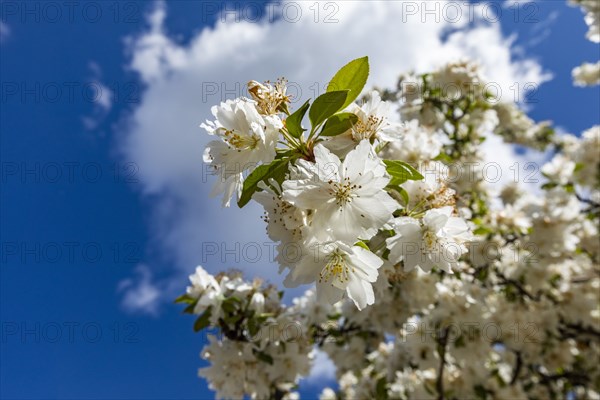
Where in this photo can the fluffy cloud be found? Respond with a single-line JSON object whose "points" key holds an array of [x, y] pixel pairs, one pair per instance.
{"points": [[183, 81], [140, 293]]}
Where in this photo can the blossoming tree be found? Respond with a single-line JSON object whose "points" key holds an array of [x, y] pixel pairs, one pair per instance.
{"points": [[429, 283]]}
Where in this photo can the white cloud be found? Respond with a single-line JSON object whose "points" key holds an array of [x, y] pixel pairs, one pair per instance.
{"points": [[517, 3], [183, 81], [140, 294], [101, 98], [4, 32], [504, 166], [542, 29], [322, 371]]}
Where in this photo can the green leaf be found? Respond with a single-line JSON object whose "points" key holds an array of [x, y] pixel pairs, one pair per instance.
{"points": [[293, 123], [284, 154], [482, 230], [480, 392], [482, 274], [362, 244], [381, 392], [229, 304], [253, 327], [264, 316], [325, 106], [338, 123], [352, 77], [276, 170], [401, 172], [404, 195], [570, 188], [549, 185], [444, 157], [189, 309], [203, 321], [263, 356], [186, 299], [401, 191], [233, 319], [555, 279]]}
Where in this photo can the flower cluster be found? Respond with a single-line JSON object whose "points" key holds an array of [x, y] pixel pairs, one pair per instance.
{"points": [[592, 18], [588, 74], [327, 194], [520, 317], [429, 284], [259, 351]]}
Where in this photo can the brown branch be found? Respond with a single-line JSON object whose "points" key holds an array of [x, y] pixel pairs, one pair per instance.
{"points": [[439, 384], [518, 366], [517, 285]]}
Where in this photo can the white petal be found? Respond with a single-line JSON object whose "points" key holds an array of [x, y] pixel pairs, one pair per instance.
{"points": [[437, 218], [366, 263], [328, 293], [306, 271], [356, 160], [361, 292], [306, 194], [328, 164]]}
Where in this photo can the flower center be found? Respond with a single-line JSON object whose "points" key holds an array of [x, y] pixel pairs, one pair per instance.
{"points": [[269, 97], [343, 192], [240, 142], [335, 269], [430, 239], [366, 129]]}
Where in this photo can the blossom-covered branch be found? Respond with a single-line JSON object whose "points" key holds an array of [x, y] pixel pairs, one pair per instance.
{"points": [[429, 282]]}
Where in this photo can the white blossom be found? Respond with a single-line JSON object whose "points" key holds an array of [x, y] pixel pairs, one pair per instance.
{"points": [[246, 139], [206, 289], [373, 124], [338, 269], [438, 241], [347, 198], [415, 144], [587, 74]]}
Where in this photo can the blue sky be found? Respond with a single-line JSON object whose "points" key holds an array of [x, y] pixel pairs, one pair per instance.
{"points": [[101, 184]]}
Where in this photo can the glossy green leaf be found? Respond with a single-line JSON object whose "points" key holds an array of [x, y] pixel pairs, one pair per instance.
{"points": [[326, 105], [401, 172], [362, 244], [203, 321], [186, 299], [352, 77], [338, 124], [293, 123], [401, 191], [276, 170]]}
